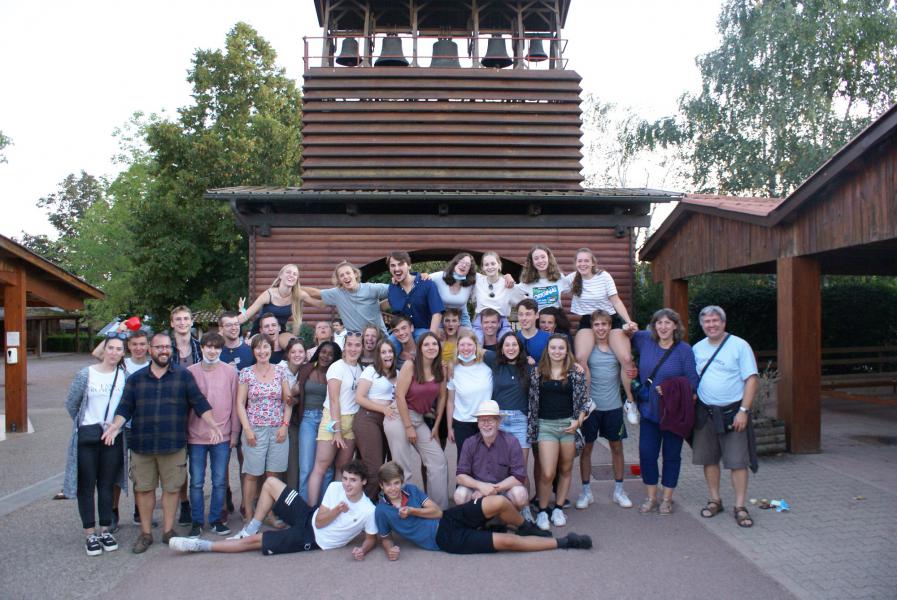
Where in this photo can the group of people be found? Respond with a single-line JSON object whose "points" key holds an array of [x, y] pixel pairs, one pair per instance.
{"points": [[349, 434]]}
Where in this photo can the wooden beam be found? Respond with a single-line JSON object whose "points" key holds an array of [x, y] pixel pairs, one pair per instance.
{"points": [[16, 392], [675, 296], [800, 352], [54, 295]]}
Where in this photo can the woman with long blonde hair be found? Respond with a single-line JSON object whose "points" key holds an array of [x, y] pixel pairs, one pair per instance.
{"points": [[283, 299]]}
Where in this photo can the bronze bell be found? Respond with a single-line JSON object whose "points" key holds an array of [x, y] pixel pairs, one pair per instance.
{"points": [[391, 53], [497, 54], [536, 51], [445, 54], [348, 54]]}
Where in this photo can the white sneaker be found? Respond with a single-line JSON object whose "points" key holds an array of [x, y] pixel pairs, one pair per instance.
{"points": [[631, 411], [183, 544], [585, 499], [542, 521], [527, 514], [558, 518], [240, 535], [622, 499]]}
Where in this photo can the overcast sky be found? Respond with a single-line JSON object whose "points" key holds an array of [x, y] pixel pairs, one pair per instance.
{"points": [[72, 72]]}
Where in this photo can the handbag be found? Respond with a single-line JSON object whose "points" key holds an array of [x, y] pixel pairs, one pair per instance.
{"points": [[92, 434]]}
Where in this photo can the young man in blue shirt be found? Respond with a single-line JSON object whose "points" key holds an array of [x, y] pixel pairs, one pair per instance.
{"points": [[405, 509], [413, 296]]}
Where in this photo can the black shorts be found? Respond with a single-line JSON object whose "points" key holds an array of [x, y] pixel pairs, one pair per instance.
{"points": [[609, 423], [459, 530], [299, 536], [585, 321]]}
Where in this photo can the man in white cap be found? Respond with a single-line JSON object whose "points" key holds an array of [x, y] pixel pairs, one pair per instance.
{"points": [[491, 462]]}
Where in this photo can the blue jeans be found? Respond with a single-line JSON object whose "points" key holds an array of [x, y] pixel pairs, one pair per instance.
{"points": [[651, 440], [218, 455], [308, 444]]}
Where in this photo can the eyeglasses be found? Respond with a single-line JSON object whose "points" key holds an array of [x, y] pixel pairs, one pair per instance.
{"points": [[491, 292], [116, 334], [166, 347]]}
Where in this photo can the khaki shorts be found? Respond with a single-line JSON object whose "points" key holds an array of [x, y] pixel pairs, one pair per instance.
{"points": [[709, 447], [146, 470], [345, 428]]}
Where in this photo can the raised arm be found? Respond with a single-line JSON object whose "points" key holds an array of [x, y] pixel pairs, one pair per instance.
{"points": [[253, 308]]}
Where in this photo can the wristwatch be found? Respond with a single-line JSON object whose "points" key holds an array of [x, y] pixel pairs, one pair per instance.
{"points": [[744, 410]]}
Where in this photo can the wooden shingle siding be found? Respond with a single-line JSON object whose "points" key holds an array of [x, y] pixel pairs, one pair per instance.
{"points": [[421, 128], [317, 251]]}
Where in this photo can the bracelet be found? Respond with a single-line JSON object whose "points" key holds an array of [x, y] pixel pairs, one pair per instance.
{"points": [[285, 424], [242, 311]]}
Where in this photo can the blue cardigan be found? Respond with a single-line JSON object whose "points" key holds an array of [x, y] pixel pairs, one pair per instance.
{"points": [[681, 363]]}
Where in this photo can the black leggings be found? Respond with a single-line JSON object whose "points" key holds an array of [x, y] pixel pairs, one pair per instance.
{"points": [[99, 466]]}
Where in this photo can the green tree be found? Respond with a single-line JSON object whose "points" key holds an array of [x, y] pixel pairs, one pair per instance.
{"points": [[65, 210], [242, 129], [790, 83]]}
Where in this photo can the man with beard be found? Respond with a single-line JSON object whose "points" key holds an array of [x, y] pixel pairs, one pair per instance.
{"points": [[157, 401], [235, 351]]}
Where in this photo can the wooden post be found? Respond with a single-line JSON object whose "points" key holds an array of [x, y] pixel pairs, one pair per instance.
{"points": [[16, 374], [675, 296], [800, 352]]}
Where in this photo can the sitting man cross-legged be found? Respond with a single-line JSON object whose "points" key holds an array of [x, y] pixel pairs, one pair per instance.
{"points": [[344, 513], [407, 511], [491, 462]]}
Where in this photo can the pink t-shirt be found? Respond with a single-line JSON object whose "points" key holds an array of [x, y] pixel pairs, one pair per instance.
{"points": [[219, 386], [264, 406]]}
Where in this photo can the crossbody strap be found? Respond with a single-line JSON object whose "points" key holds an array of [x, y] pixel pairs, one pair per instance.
{"points": [[111, 391], [720, 347], [662, 360]]}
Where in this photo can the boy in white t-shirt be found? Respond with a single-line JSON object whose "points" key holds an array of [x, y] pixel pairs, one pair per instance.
{"points": [[344, 513]]}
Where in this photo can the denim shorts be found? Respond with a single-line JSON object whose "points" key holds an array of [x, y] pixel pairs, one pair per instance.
{"points": [[552, 430], [514, 422]]}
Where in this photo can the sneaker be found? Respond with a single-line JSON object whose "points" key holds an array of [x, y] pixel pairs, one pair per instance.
{"points": [[186, 518], [195, 531], [167, 535], [558, 518], [585, 499], [142, 543], [108, 542], [567, 504], [182, 544], [93, 545], [240, 535], [576, 541], [527, 514], [542, 521], [622, 499], [631, 411], [219, 528], [528, 528]]}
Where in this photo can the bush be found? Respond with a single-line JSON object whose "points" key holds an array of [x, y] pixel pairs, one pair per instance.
{"points": [[65, 342]]}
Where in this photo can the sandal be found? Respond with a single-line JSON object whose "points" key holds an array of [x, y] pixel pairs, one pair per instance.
{"points": [[666, 507], [742, 517], [713, 508], [648, 506]]}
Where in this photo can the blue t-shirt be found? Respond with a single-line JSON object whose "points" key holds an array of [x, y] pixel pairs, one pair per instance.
{"points": [[420, 304], [419, 531], [241, 356], [723, 382], [680, 363], [535, 345]]}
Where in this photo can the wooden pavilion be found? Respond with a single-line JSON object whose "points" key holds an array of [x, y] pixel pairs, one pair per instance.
{"points": [[29, 280], [842, 221], [470, 141]]}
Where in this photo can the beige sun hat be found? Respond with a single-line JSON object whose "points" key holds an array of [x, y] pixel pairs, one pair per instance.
{"points": [[488, 408]]}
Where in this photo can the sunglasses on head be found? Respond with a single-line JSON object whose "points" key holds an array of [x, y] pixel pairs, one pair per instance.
{"points": [[353, 334], [117, 334]]}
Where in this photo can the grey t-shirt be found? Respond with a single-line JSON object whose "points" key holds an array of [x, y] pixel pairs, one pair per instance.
{"points": [[358, 308], [604, 371]]}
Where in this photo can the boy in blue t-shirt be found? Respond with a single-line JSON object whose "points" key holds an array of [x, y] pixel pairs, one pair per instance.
{"points": [[406, 510]]}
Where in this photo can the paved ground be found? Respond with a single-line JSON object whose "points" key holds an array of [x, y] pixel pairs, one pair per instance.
{"points": [[839, 541]]}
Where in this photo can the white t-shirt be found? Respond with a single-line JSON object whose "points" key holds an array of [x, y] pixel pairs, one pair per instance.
{"points": [[347, 525], [98, 388], [131, 367], [383, 391], [500, 297], [472, 385], [449, 299], [546, 293], [723, 382], [596, 293], [348, 377]]}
